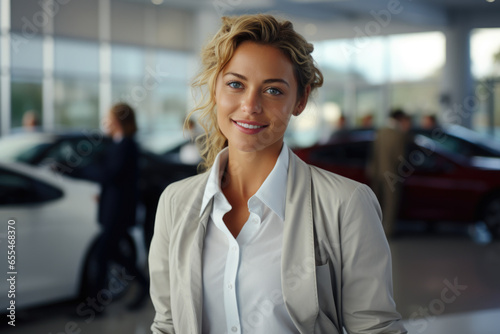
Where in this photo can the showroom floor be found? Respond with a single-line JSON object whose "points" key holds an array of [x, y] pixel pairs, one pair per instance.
{"points": [[446, 282]]}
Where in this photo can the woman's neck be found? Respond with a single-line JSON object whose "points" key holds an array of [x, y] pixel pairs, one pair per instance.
{"points": [[246, 172]]}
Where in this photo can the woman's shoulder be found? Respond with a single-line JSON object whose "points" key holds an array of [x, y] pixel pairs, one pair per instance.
{"points": [[324, 182], [331, 181], [343, 195], [333, 187]]}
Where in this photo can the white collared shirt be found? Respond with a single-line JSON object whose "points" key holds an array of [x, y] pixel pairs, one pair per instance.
{"points": [[242, 290]]}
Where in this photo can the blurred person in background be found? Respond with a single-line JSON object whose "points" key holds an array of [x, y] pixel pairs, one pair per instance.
{"points": [[341, 130], [429, 122], [118, 176], [261, 229], [388, 154], [31, 121], [341, 123], [367, 121]]}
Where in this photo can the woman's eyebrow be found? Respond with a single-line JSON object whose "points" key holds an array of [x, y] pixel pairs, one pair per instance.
{"points": [[242, 77], [277, 80]]}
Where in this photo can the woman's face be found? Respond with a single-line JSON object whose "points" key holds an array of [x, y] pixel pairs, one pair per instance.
{"points": [[255, 95], [112, 125]]}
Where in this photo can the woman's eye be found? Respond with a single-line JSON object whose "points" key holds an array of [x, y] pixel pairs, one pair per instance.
{"points": [[234, 84], [274, 91]]}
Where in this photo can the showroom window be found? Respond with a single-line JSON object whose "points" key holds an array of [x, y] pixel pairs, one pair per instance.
{"points": [[485, 65], [70, 70], [26, 79], [156, 83], [174, 95], [415, 74], [383, 73], [76, 84]]}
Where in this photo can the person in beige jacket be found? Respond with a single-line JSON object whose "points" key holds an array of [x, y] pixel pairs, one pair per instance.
{"points": [[262, 242], [387, 167]]}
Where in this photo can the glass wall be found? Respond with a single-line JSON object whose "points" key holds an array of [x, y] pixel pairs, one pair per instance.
{"points": [[1, 63], [76, 84], [156, 83], [172, 96], [67, 69], [485, 63], [26, 79], [364, 81], [485, 53]]}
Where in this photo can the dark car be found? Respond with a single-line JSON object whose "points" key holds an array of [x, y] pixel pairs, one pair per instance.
{"points": [[448, 175], [70, 152]]}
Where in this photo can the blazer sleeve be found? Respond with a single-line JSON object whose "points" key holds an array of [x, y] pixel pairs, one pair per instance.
{"points": [[159, 268], [367, 302]]}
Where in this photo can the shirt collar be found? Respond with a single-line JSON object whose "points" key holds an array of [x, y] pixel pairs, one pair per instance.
{"points": [[272, 192], [214, 178]]}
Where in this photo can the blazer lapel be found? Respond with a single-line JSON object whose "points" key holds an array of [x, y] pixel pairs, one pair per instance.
{"points": [[192, 262], [298, 263], [197, 266]]}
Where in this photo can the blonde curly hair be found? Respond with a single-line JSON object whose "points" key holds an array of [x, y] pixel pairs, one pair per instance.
{"points": [[262, 29]]}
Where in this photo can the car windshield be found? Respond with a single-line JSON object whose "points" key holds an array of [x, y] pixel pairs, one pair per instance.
{"points": [[20, 148], [160, 144], [459, 140]]}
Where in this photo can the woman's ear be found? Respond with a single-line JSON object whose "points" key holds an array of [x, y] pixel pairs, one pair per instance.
{"points": [[302, 102]]}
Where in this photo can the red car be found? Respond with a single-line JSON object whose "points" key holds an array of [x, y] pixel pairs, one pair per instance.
{"points": [[450, 177]]}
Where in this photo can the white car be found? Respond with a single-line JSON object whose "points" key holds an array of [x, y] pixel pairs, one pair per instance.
{"points": [[48, 232]]}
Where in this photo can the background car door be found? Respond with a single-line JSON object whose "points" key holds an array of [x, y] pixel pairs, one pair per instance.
{"points": [[439, 189], [54, 227]]}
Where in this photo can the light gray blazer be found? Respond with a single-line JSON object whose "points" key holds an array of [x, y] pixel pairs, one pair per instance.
{"points": [[333, 242]]}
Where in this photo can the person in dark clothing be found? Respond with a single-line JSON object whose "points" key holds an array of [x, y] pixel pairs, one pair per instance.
{"points": [[118, 176]]}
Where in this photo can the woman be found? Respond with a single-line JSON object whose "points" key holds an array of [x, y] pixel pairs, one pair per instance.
{"points": [[262, 242], [118, 176]]}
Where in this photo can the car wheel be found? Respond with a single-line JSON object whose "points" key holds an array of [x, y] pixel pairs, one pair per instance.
{"points": [[491, 215], [116, 281]]}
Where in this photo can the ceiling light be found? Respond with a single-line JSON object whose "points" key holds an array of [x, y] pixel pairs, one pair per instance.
{"points": [[157, 2]]}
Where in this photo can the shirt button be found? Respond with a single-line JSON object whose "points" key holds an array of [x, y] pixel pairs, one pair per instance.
{"points": [[233, 248], [234, 329], [229, 286]]}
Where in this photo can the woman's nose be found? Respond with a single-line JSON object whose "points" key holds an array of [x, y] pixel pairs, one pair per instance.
{"points": [[251, 102]]}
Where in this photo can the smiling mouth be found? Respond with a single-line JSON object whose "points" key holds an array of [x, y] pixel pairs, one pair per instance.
{"points": [[250, 126]]}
